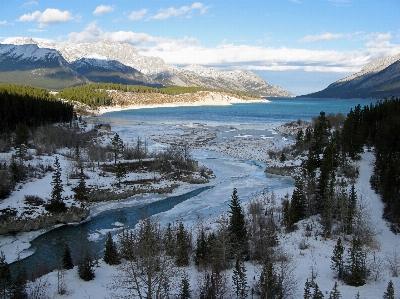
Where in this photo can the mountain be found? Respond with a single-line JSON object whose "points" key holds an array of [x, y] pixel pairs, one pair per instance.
{"points": [[99, 70], [36, 66], [379, 78], [89, 59]]}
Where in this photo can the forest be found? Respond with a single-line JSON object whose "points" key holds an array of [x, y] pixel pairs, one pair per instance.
{"points": [[151, 257]]}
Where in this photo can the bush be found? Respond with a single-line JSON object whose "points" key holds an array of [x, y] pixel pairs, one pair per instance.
{"points": [[56, 207], [33, 200]]}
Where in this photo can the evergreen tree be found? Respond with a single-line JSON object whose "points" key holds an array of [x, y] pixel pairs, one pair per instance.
{"points": [[67, 259], [18, 285], [389, 294], [57, 204], [81, 192], [201, 248], [237, 226], [335, 294], [182, 246], [298, 203], [117, 147], [240, 280], [317, 292], [5, 276], [169, 241], [358, 295], [351, 210], [337, 262], [184, 288], [111, 255], [355, 268], [269, 281], [85, 268], [307, 290], [120, 173]]}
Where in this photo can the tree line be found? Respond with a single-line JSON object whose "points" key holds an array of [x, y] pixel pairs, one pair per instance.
{"points": [[30, 106]]}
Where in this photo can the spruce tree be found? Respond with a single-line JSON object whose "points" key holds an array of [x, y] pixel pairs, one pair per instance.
{"points": [[201, 249], [169, 241], [356, 271], [57, 205], [5, 275], [120, 173], [85, 268], [335, 294], [337, 262], [317, 292], [351, 210], [111, 255], [389, 294], [184, 288], [237, 227], [182, 246], [307, 290], [117, 146], [240, 280], [268, 280], [18, 285], [81, 192], [67, 259]]}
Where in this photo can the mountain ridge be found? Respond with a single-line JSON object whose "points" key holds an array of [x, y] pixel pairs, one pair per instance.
{"points": [[155, 68], [379, 78]]}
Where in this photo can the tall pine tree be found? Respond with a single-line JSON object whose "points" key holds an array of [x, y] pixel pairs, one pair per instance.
{"points": [[111, 255], [237, 227], [67, 259]]}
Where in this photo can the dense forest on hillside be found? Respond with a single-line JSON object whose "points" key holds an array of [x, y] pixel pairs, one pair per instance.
{"points": [[30, 106]]}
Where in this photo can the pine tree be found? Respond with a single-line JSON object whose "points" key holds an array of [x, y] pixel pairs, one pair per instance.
{"points": [[117, 146], [85, 268], [18, 285], [81, 192], [67, 259], [201, 248], [237, 226], [389, 294], [317, 292], [355, 267], [358, 295], [57, 204], [337, 262], [268, 281], [184, 288], [307, 290], [335, 294], [182, 246], [240, 280], [298, 202], [169, 241], [120, 173], [5, 275], [351, 210], [111, 255]]}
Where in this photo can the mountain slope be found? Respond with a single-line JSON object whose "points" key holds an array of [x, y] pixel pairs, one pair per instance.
{"points": [[37, 67], [156, 68], [378, 79], [98, 70]]}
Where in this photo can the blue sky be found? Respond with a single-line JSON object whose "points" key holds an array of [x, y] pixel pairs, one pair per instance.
{"points": [[300, 45]]}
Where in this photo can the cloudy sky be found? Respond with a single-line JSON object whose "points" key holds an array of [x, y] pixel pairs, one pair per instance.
{"points": [[300, 45]]}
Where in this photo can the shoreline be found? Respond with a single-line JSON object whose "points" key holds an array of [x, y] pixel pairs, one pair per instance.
{"points": [[205, 102]]}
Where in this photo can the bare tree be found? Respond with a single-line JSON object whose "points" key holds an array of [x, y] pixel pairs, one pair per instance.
{"points": [[393, 262], [147, 271]]}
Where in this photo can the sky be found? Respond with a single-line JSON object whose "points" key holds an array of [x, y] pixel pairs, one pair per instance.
{"points": [[300, 45]]}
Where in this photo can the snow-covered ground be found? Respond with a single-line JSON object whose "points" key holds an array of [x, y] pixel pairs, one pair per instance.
{"points": [[231, 156]]}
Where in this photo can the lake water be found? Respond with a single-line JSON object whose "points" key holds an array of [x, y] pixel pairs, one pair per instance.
{"points": [[247, 176]]}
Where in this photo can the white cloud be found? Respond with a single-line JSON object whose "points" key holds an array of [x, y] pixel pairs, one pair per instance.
{"points": [[325, 36], [102, 9], [182, 11], [187, 51], [137, 15], [49, 16], [29, 4], [3, 22]]}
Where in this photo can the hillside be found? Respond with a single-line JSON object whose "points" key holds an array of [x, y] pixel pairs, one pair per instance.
{"points": [[121, 63], [379, 78]]}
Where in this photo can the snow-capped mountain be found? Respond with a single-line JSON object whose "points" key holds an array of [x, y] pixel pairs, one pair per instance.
{"points": [[29, 64], [155, 68], [378, 79]]}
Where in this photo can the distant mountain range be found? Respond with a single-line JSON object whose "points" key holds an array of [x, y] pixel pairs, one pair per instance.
{"points": [[379, 78], [64, 64]]}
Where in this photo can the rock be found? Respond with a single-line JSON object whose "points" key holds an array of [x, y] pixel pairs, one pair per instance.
{"points": [[15, 225]]}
